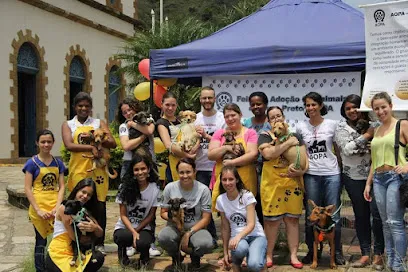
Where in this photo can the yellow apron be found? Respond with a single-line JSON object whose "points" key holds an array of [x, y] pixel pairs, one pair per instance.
{"points": [[78, 166], [279, 195], [45, 192], [60, 251], [247, 174], [173, 160]]}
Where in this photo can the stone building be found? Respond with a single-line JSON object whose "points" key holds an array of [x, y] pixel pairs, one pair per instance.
{"points": [[49, 51]]}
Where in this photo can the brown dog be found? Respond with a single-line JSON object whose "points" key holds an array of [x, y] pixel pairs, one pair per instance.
{"points": [[238, 147], [98, 136], [323, 229], [177, 213], [188, 137]]}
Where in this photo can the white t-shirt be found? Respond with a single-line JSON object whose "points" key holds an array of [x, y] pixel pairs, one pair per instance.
{"points": [[210, 125], [73, 124], [319, 145], [236, 213], [127, 155], [150, 197]]}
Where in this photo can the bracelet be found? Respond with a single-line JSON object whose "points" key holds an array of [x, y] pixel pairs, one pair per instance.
{"points": [[191, 232]]}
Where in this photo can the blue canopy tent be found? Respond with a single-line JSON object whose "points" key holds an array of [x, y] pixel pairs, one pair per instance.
{"points": [[283, 36]]}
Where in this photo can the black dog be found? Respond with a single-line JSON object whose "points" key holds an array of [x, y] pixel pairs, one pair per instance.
{"points": [[79, 214], [362, 126], [142, 118]]}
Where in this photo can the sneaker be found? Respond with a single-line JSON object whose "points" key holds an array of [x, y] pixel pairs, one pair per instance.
{"points": [[123, 258], [101, 248], [130, 251], [153, 251]]}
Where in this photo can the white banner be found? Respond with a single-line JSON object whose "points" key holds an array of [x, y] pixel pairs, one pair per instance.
{"points": [[386, 32], [286, 91]]}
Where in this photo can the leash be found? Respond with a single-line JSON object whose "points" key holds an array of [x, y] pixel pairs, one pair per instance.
{"points": [[78, 218]]}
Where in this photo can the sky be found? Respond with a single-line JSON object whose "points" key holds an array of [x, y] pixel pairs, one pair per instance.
{"points": [[356, 3]]}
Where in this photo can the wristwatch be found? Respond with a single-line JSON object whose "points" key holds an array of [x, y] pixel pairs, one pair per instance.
{"points": [[191, 232]]}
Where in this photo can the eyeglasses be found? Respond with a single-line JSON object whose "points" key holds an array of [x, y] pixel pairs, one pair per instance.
{"points": [[275, 117]]}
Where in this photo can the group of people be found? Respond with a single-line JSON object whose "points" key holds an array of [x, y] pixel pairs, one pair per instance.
{"points": [[249, 192]]}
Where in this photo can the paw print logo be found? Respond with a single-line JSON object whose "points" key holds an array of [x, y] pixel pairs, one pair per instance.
{"points": [[286, 199], [99, 179], [297, 191], [288, 192], [279, 199], [277, 206]]}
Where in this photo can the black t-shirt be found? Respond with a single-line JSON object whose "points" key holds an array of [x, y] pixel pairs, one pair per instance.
{"points": [[166, 123], [265, 138]]}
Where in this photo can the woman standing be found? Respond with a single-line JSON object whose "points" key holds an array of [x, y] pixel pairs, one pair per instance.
{"points": [[282, 197], [387, 178], [126, 110], [75, 135], [245, 163], [242, 234], [138, 199], [197, 215], [60, 249], [322, 179], [168, 129], [355, 156], [44, 187]]}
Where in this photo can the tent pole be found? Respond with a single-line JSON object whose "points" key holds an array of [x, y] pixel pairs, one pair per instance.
{"points": [[151, 97]]}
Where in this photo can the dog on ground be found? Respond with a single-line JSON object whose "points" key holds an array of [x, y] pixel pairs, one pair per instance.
{"points": [[323, 230], [79, 214], [188, 137], [97, 138], [237, 147]]}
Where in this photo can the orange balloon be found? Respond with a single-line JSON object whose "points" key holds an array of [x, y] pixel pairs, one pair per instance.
{"points": [[158, 93], [144, 68]]}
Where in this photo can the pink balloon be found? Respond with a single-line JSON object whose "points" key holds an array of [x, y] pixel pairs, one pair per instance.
{"points": [[144, 67]]}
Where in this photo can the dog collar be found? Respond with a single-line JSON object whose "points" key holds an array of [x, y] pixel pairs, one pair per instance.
{"points": [[328, 229]]}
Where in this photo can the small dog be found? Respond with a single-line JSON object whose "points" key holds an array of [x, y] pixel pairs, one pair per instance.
{"points": [[97, 137], [323, 229], [79, 214], [142, 118], [362, 126], [188, 137], [238, 147], [177, 212]]}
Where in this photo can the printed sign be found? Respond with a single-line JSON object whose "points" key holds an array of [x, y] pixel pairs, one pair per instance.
{"points": [[286, 91], [386, 32]]}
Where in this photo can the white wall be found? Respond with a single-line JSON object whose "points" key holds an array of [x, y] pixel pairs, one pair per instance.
{"points": [[56, 35]]}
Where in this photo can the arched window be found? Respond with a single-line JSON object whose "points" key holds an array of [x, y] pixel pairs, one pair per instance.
{"points": [[76, 80], [114, 92], [27, 70]]}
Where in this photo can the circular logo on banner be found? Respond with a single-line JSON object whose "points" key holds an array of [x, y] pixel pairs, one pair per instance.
{"points": [[222, 99], [379, 15]]}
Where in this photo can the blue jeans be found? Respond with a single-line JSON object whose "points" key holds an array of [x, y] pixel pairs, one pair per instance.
{"points": [[324, 191], [386, 191], [254, 248], [363, 210]]}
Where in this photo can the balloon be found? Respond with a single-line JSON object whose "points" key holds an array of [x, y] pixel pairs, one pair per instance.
{"points": [[159, 91], [142, 91], [166, 82], [158, 146], [144, 68]]}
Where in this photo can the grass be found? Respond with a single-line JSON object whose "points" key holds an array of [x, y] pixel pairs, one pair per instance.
{"points": [[28, 263]]}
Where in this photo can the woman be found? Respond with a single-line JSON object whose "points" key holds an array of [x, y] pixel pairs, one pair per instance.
{"points": [[138, 200], [168, 129], [246, 163], [322, 179], [126, 110], [242, 234], [75, 135], [60, 249], [355, 156], [196, 240], [44, 187], [282, 197], [386, 176]]}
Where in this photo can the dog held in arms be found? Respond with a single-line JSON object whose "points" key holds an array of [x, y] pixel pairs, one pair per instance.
{"points": [[97, 137], [142, 118], [323, 229], [293, 155], [188, 138], [79, 214], [237, 147]]}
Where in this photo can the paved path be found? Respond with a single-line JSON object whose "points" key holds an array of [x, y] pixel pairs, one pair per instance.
{"points": [[17, 237]]}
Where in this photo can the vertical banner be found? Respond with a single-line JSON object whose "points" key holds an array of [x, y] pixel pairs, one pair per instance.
{"points": [[386, 33], [286, 91]]}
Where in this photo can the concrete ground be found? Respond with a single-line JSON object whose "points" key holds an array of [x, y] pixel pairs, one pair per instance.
{"points": [[17, 238]]}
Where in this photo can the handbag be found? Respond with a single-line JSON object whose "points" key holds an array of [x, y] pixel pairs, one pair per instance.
{"points": [[403, 189]]}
